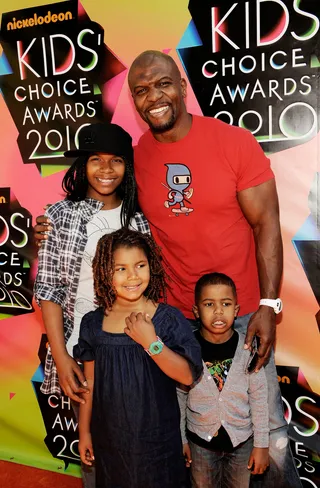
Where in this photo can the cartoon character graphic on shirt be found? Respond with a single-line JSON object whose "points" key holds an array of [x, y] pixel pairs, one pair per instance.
{"points": [[178, 180], [219, 371]]}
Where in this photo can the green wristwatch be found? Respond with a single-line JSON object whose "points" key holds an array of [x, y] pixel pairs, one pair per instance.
{"points": [[155, 347]]}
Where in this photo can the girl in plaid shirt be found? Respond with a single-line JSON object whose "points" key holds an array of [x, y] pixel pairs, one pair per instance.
{"points": [[101, 198]]}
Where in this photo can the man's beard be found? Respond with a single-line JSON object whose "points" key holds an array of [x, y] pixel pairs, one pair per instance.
{"points": [[159, 129]]}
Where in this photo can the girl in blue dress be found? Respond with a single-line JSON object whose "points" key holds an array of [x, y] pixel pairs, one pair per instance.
{"points": [[134, 351]]}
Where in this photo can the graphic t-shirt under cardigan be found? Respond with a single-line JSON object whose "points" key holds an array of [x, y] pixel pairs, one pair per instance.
{"points": [[241, 407], [218, 359]]}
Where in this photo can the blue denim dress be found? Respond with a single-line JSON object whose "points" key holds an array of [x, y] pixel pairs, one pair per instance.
{"points": [[135, 414]]}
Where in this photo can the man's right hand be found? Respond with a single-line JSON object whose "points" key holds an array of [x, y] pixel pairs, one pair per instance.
{"points": [[71, 378], [42, 226]]}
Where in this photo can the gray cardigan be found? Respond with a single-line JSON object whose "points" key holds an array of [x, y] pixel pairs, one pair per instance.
{"points": [[241, 407]]}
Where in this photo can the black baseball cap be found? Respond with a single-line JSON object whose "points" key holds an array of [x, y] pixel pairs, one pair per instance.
{"points": [[103, 137]]}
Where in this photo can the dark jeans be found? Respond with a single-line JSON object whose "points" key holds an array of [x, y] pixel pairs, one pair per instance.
{"points": [[219, 469], [283, 472]]}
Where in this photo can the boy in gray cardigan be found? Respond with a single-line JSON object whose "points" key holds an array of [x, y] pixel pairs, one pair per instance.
{"points": [[224, 417]]}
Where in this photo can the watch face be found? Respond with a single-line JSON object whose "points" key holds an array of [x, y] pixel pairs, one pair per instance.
{"points": [[156, 347]]}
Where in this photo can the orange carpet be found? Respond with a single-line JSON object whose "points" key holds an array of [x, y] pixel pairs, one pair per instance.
{"points": [[14, 475]]}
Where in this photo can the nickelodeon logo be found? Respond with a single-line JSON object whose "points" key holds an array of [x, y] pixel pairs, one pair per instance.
{"points": [[5, 196], [284, 379], [38, 20]]}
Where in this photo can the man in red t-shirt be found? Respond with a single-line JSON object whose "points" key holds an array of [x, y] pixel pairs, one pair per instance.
{"points": [[209, 195]]}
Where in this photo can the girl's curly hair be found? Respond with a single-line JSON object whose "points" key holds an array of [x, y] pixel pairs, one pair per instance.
{"points": [[103, 265]]}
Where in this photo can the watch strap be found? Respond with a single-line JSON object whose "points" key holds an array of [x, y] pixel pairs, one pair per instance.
{"points": [[275, 304]]}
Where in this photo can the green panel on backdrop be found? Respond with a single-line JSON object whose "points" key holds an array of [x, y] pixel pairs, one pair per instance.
{"points": [[51, 169], [23, 436], [5, 316]]}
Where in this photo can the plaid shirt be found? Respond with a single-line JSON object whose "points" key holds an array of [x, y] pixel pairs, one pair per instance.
{"points": [[60, 259]]}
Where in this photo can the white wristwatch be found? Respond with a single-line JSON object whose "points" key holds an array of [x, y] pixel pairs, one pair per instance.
{"points": [[275, 304]]}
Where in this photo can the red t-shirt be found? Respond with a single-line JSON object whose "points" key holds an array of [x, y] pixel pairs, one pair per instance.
{"points": [[188, 192]]}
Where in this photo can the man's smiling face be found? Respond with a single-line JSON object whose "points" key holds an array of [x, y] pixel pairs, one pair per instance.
{"points": [[158, 92]]}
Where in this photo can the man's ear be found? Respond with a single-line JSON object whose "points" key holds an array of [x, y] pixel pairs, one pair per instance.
{"points": [[195, 311], [183, 84], [236, 310]]}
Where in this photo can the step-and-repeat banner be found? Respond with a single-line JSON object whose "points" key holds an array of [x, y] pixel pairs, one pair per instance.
{"points": [[63, 65]]}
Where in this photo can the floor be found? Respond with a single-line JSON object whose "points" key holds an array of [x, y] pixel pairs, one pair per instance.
{"points": [[17, 476]]}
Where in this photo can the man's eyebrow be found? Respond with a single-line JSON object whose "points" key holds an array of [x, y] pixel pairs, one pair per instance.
{"points": [[139, 85], [165, 77]]}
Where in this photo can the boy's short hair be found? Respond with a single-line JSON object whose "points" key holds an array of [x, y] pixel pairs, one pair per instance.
{"points": [[213, 279]]}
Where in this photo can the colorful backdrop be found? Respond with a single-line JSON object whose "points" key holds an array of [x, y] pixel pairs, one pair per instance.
{"points": [[63, 65]]}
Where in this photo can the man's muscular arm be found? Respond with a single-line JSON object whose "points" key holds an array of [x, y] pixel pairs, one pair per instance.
{"points": [[260, 206]]}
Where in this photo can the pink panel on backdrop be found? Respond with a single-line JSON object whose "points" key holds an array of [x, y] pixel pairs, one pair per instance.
{"points": [[40, 190], [81, 11], [111, 91]]}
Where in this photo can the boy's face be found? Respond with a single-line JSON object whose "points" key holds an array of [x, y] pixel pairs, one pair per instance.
{"points": [[216, 308]]}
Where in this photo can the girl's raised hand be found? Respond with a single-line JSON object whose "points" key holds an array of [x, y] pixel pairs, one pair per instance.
{"points": [[140, 328]]}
